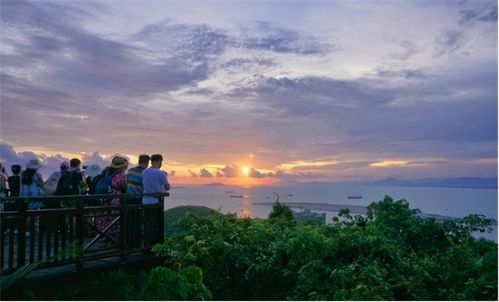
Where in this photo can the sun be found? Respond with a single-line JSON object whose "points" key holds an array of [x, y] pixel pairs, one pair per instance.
{"points": [[245, 170]]}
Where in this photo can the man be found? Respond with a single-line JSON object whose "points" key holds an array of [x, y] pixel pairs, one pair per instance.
{"points": [[154, 180], [15, 181], [72, 181], [14, 186], [134, 176]]}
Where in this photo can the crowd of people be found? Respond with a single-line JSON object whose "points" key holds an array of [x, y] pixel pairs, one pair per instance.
{"points": [[75, 179]]}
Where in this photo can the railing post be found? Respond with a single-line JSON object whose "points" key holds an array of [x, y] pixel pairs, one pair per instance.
{"points": [[123, 228], [161, 231], [80, 233], [21, 241]]}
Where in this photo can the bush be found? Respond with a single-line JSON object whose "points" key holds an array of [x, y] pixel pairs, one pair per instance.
{"points": [[390, 253]]}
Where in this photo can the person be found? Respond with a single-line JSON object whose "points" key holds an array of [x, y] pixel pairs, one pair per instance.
{"points": [[118, 185], [53, 180], [134, 177], [154, 180], [92, 171], [3, 181], [3, 187], [32, 183], [14, 186], [71, 182]]}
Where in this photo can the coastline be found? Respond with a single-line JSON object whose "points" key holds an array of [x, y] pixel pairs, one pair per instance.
{"points": [[354, 209]]}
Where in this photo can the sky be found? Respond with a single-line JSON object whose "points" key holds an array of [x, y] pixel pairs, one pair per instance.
{"points": [[255, 92]]}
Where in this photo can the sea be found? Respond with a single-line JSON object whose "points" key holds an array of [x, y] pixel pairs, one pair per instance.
{"points": [[454, 202]]}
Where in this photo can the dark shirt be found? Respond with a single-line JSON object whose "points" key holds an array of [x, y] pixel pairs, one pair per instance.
{"points": [[69, 183], [15, 185]]}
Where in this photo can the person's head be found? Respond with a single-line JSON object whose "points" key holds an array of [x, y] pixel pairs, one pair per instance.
{"points": [[75, 163], [16, 169], [33, 164], [64, 166], [119, 163], [156, 160], [144, 160]]}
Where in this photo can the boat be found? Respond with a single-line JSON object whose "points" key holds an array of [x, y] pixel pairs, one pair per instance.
{"points": [[290, 195], [355, 197], [236, 196], [228, 192]]}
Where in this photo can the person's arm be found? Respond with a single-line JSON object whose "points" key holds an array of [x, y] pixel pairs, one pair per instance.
{"points": [[82, 183]]}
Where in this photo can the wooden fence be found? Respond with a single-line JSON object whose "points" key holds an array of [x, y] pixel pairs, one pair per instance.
{"points": [[96, 229]]}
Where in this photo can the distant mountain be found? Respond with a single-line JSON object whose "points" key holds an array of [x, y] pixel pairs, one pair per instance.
{"points": [[457, 182]]}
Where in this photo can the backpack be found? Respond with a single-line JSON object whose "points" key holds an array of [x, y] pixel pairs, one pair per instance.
{"points": [[67, 185], [51, 184], [103, 182]]}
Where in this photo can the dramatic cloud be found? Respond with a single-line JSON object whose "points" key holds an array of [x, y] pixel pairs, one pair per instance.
{"points": [[266, 36], [205, 173], [229, 171], [313, 90]]}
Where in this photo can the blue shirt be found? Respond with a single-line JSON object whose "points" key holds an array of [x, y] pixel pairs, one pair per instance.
{"points": [[134, 180], [153, 180]]}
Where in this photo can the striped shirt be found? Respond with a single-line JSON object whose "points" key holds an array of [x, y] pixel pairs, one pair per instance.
{"points": [[134, 179]]}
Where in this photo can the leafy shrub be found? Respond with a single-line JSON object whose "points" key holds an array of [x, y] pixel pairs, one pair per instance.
{"points": [[390, 253]]}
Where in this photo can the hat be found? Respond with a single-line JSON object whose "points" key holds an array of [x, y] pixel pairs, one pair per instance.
{"points": [[34, 164], [119, 162], [64, 165], [92, 170]]}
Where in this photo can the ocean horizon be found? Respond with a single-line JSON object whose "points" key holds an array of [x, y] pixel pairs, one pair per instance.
{"points": [[453, 202]]}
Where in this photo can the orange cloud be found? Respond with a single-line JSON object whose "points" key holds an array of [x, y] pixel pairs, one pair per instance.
{"points": [[303, 163], [394, 163]]}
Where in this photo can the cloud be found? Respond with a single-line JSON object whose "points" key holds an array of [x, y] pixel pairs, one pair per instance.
{"points": [[192, 41], [449, 42], [192, 173], [267, 36], [96, 158], [470, 16], [393, 163], [258, 174], [8, 157], [308, 164], [205, 173], [229, 171], [402, 73], [79, 78]]}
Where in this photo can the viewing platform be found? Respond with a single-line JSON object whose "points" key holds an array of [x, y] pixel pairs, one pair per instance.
{"points": [[69, 238]]}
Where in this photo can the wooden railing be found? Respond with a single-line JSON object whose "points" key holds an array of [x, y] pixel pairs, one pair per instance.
{"points": [[97, 230]]}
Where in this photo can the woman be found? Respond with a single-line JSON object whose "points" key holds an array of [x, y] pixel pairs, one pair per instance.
{"points": [[32, 183], [118, 168]]}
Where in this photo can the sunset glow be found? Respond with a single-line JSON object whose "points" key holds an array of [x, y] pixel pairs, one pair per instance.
{"points": [[245, 170], [254, 100]]}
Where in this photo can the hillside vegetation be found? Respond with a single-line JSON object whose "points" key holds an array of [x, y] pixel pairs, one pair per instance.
{"points": [[387, 254]]}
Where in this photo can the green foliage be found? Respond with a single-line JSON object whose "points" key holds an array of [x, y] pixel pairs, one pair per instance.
{"points": [[282, 214], [113, 285], [390, 253], [166, 284], [172, 215]]}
